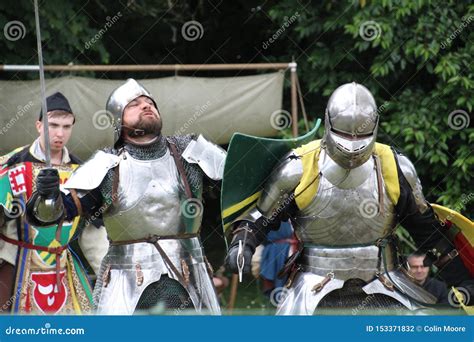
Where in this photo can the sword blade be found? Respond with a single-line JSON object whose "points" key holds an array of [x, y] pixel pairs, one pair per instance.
{"points": [[47, 147]]}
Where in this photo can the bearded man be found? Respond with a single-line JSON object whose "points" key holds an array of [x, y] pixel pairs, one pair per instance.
{"points": [[148, 188]]}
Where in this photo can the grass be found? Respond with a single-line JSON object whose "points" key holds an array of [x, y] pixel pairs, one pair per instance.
{"points": [[250, 299]]}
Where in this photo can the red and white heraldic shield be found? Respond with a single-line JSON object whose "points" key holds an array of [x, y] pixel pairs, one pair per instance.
{"points": [[47, 296]]}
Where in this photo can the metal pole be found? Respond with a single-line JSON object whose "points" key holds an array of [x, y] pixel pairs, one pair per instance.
{"points": [[294, 100], [47, 152], [149, 67], [233, 292]]}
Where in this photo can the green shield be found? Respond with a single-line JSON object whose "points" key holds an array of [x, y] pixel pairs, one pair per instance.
{"points": [[249, 162]]}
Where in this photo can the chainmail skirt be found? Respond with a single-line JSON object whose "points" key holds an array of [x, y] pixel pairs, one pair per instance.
{"points": [[354, 300], [166, 291]]}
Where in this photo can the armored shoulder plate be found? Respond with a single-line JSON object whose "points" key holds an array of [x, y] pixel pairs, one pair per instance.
{"points": [[207, 155], [90, 174], [279, 188], [408, 170]]}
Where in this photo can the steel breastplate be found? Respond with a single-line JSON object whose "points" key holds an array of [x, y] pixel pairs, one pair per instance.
{"points": [[344, 217], [149, 201]]}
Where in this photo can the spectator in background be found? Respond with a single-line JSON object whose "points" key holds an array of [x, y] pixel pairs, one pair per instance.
{"points": [[278, 246], [419, 270]]}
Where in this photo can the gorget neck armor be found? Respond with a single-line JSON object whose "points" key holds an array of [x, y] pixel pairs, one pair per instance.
{"points": [[341, 177], [154, 150]]}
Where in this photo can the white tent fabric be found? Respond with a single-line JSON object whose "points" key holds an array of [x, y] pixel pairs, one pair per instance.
{"points": [[214, 107]]}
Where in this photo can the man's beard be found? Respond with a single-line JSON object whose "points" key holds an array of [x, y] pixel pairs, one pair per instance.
{"points": [[149, 126]]}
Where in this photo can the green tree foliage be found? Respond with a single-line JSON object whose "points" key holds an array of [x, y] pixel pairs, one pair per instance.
{"points": [[414, 55], [65, 26]]}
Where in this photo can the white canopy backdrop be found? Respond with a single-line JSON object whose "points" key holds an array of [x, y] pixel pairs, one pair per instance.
{"points": [[214, 107]]}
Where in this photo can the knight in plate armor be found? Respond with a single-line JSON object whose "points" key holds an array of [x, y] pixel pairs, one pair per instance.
{"points": [[345, 195], [148, 189]]}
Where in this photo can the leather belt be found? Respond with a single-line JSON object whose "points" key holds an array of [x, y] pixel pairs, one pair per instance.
{"points": [[53, 250]]}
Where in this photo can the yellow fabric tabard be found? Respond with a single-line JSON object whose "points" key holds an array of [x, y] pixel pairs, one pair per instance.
{"points": [[306, 190], [389, 171], [308, 186]]}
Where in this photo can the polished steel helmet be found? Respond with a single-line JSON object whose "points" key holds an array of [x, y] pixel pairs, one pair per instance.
{"points": [[120, 98], [351, 125]]}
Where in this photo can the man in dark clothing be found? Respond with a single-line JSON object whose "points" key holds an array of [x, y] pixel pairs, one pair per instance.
{"points": [[418, 269]]}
